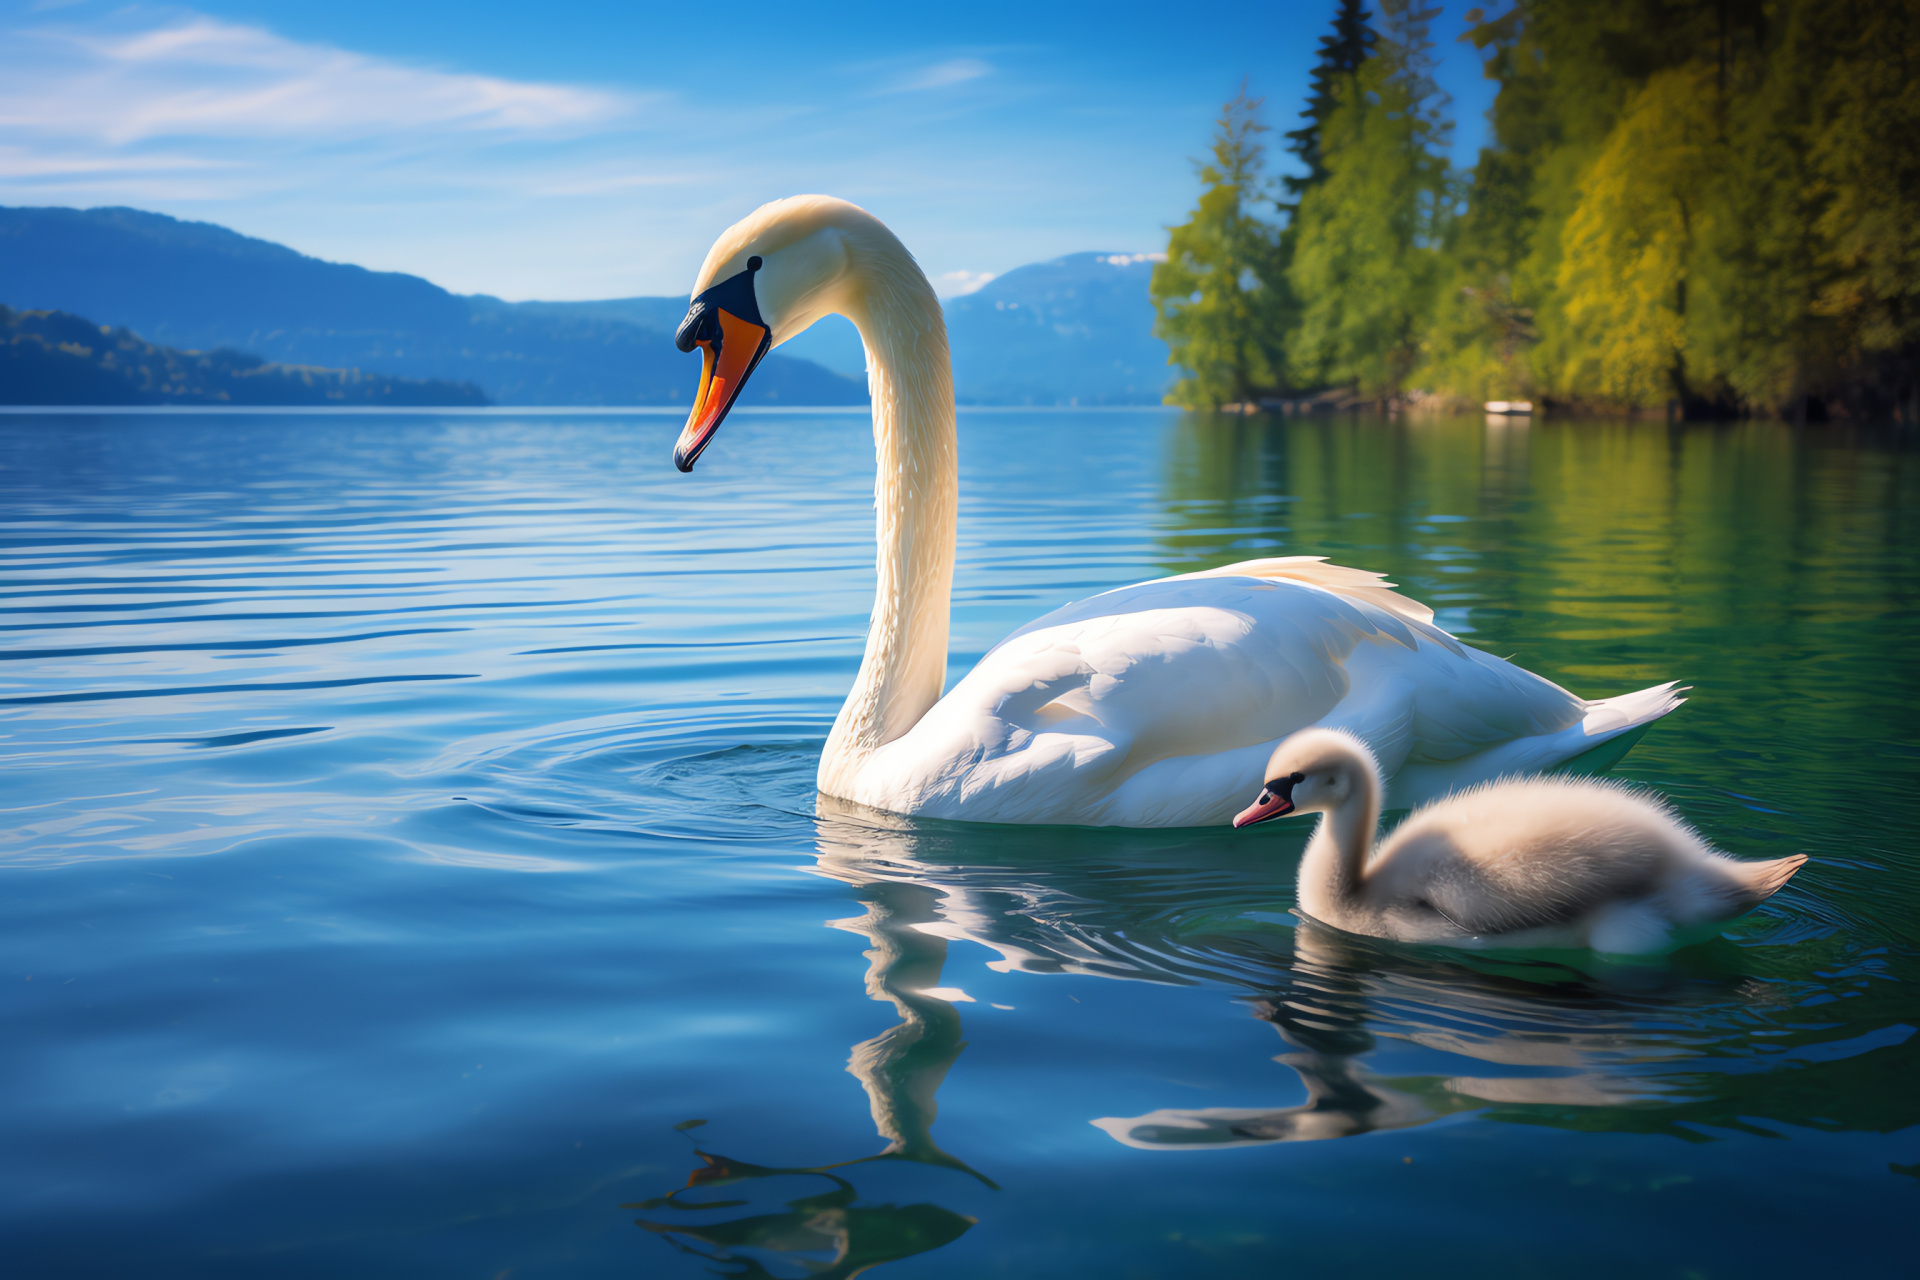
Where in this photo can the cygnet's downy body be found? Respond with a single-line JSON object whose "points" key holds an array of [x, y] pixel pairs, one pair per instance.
{"points": [[1538, 862]]}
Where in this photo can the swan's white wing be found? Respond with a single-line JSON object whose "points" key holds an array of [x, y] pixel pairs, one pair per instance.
{"points": [[1158, 704]]}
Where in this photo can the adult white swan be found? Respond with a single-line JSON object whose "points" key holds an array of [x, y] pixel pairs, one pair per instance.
{"points": [[1151, 705]]}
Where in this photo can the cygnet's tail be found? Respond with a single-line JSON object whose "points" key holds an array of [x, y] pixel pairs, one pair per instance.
{"points": [[1764, 879]]}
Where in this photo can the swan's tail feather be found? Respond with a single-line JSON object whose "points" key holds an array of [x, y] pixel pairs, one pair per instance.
{"points": [[1764, 879], [1592, 744], [1608, 716]]}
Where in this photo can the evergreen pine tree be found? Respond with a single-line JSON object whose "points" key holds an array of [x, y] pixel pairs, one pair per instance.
{"points": [[1342, 54], [1367, 241]]}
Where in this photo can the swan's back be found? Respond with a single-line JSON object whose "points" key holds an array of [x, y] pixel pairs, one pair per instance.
{"points": [[1156, 704]]}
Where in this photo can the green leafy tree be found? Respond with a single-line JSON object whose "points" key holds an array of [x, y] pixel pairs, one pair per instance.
{"points": [[1868, 113], [1754, 334], [1629, 247], [1221, 294], [1369, 238], [1714, 201], [1483, 328]]}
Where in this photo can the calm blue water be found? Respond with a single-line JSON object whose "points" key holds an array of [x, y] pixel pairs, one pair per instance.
{"points": [[409, 836]]}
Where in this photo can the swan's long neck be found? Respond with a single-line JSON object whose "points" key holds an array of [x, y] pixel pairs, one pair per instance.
{"points": [[916, 498], [1335, 862]]}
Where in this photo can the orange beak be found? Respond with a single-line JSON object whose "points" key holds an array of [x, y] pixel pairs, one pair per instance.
{"points": [[724, 322]]}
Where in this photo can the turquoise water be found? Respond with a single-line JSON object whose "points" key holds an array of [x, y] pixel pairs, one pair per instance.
{"points": [[411, 866]]}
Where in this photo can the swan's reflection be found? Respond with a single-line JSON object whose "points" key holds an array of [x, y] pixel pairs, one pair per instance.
{"points": [[902, 1068], [823, 1231], [820, 1233], [1703, 1042]]}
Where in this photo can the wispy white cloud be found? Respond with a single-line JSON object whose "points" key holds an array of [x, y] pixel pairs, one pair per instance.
{"points": [[21, 162], [520, 187], [201, 77], [940, 75], [958, 284]]}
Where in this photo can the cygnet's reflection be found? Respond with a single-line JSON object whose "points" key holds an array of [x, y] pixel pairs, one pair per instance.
{"points": [[1343, 1099], [1335, 988]]}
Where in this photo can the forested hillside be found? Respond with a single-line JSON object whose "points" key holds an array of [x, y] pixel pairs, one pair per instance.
{"points": [[50, 357], [1713, 203]]}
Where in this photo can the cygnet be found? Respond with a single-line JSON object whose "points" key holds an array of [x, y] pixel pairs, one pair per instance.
{"points": [[1536, 862]]}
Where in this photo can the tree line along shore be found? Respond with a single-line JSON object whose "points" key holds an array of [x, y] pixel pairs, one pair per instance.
{"points": [[1702, 207], [54, 358]]}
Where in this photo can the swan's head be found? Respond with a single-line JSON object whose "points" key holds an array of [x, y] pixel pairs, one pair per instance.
{"points": [[773, 273], [1313, 770]]}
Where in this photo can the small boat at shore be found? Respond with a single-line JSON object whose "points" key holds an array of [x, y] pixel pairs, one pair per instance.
{"points": [[1511, 408]]}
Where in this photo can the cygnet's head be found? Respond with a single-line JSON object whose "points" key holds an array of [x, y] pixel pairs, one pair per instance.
{"points": [[1313, 770]]}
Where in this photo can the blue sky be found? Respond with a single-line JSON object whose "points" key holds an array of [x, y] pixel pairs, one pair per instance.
{"points": [[583, 149]]}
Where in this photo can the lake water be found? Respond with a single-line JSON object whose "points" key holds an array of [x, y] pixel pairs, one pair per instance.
{"points": [[411, 866]]}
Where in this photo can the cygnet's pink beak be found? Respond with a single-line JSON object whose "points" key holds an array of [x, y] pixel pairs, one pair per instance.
{"points": [[1271, 804]]}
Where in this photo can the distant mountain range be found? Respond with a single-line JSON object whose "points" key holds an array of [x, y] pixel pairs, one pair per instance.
{"points": [[197, 286], [50, 357], [1075, 330]]}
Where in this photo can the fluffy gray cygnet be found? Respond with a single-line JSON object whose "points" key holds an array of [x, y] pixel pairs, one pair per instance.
{"points": [[1531, 862]]}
